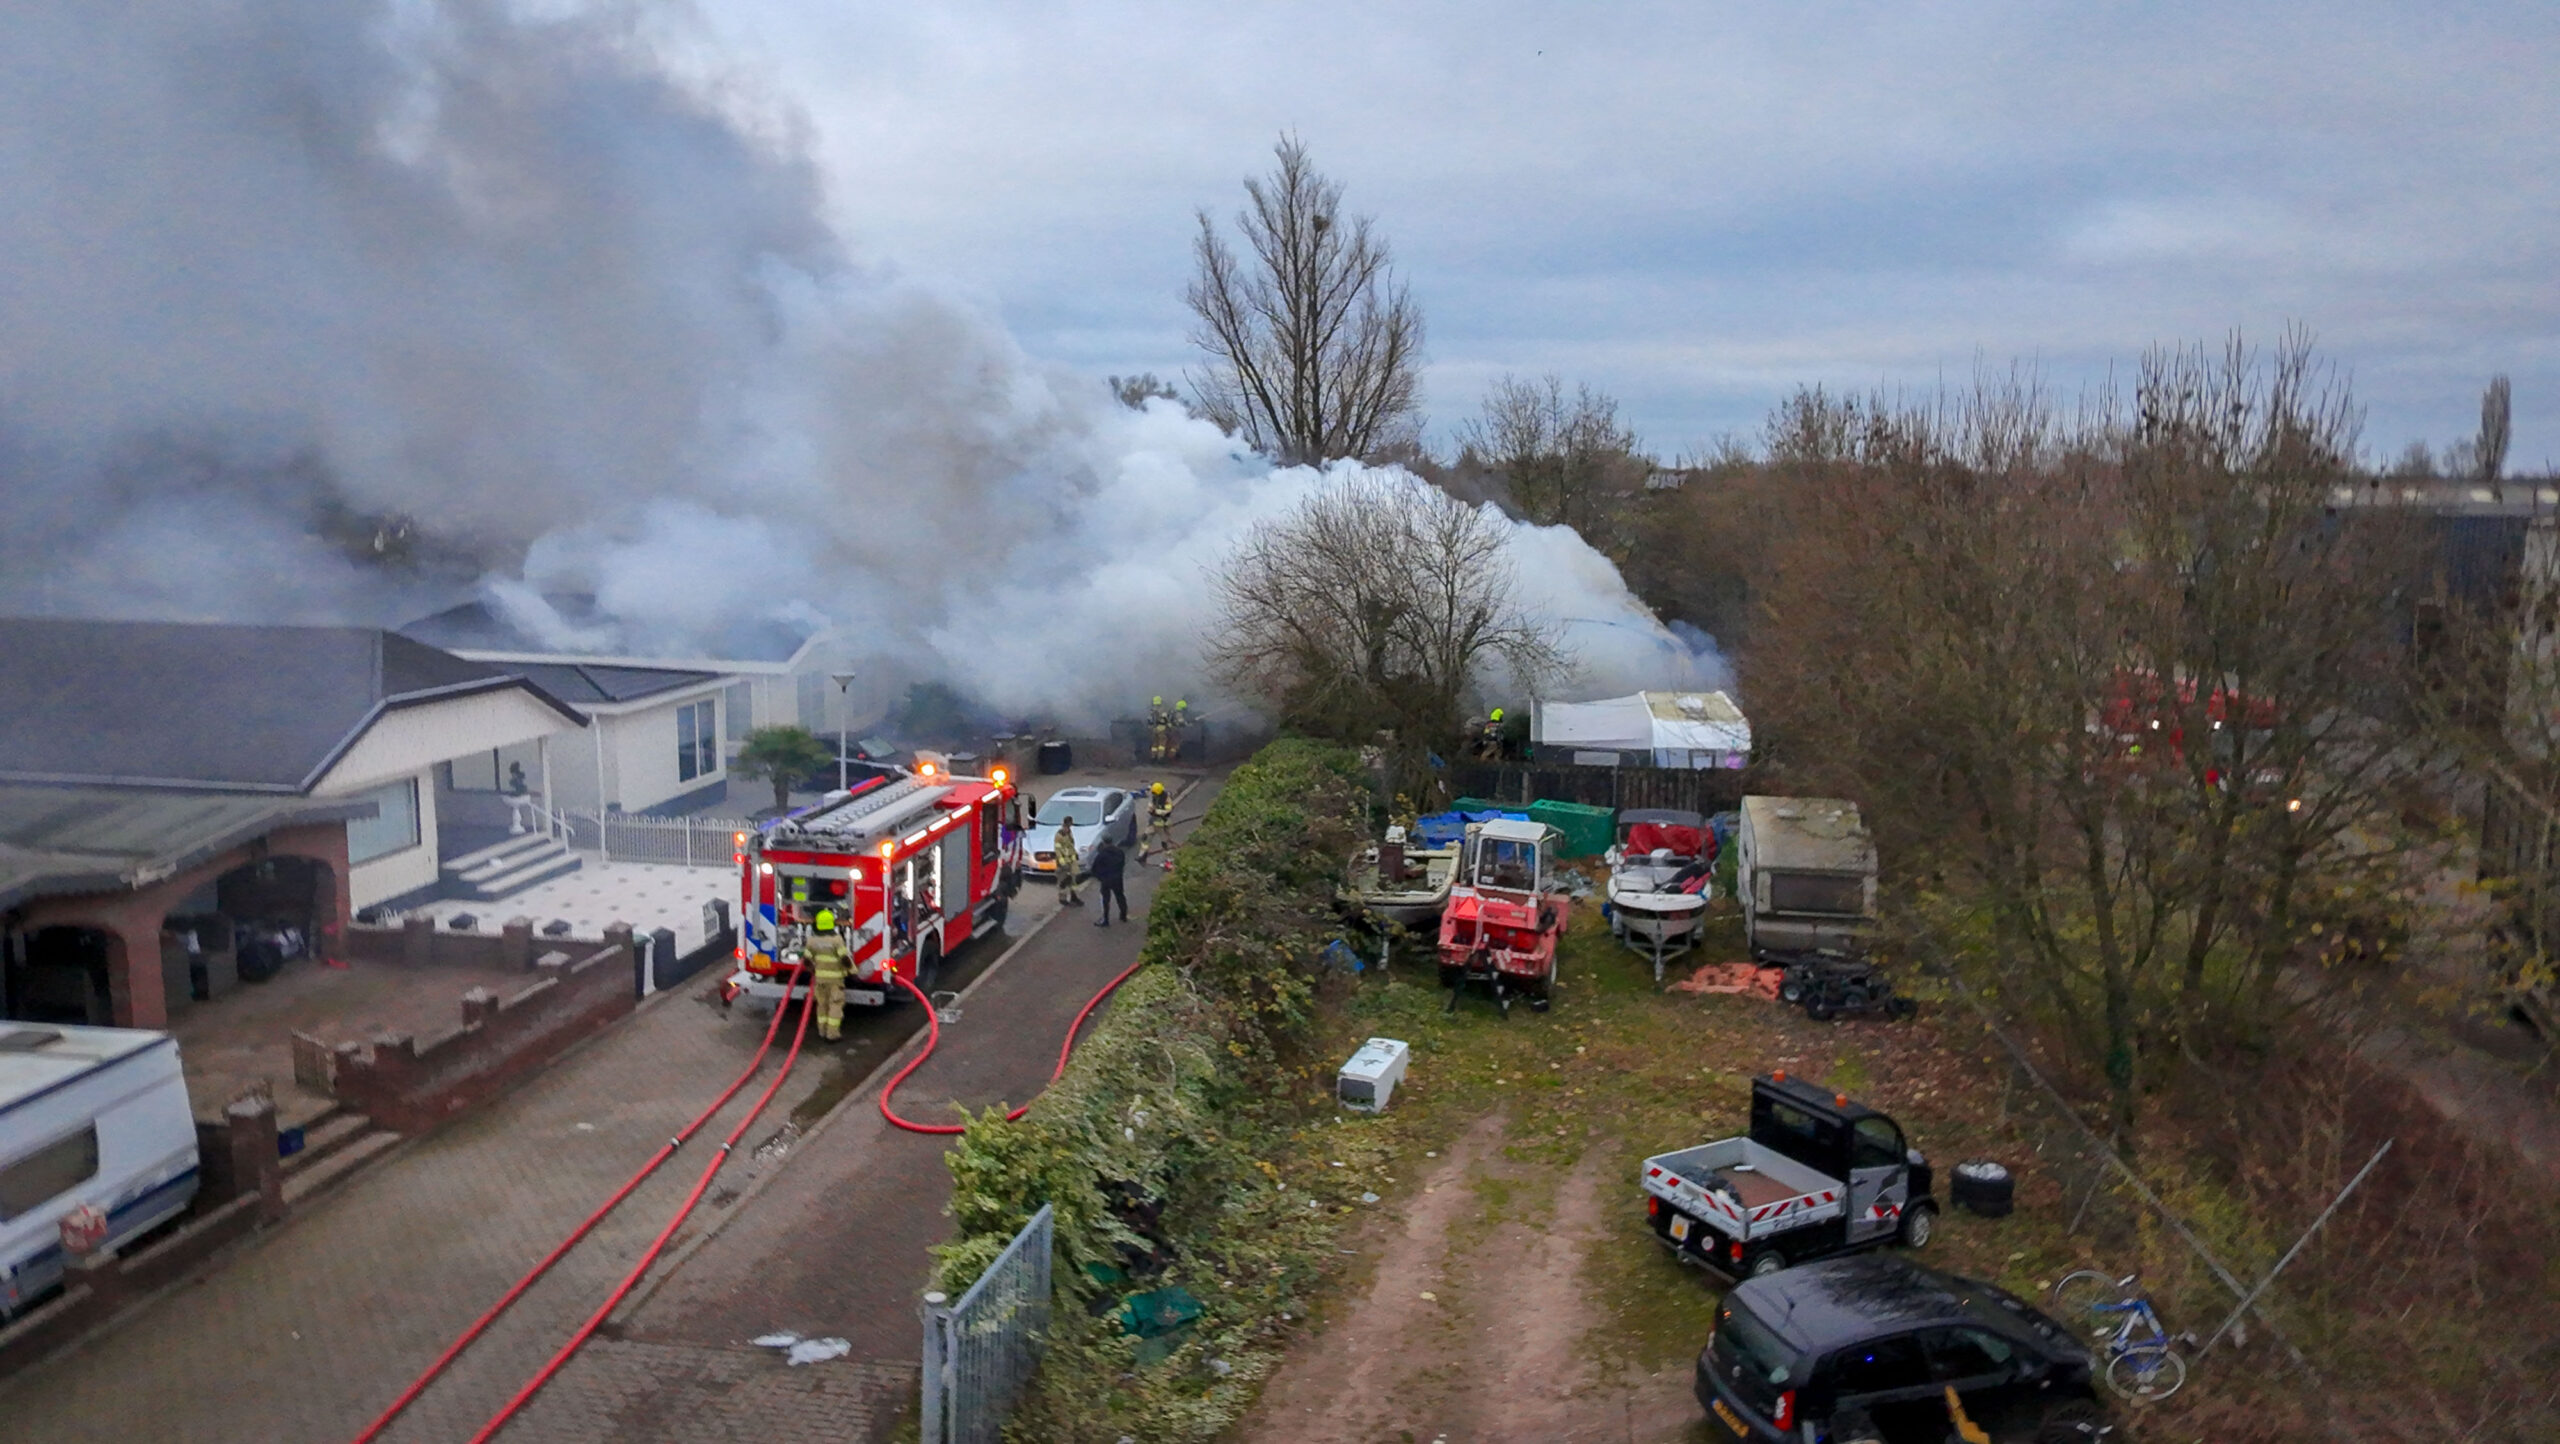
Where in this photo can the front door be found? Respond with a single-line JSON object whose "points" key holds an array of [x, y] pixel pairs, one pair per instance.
{"points": [[1879, 1179]]}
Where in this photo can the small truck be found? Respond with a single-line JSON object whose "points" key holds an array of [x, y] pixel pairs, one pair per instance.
{"points": [[1817, 1175]]}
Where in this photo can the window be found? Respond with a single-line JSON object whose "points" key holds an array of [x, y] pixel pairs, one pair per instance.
{"points": [[392, 828], [1795, 892], [990, 831], [1881, 1367], [477, 772], [48, 1173], [1956, 1355], [1874, 1143], [697, 740]]}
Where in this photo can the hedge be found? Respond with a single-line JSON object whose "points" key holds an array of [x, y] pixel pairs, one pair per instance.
{"points": [[1156, 1147]]}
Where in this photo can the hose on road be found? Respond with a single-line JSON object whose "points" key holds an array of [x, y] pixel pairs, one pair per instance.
{"points": [[658, 1245], [507, 1300], [933, 1035]]}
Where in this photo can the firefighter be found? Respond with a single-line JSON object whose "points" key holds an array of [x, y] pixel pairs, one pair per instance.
{"points": [[1063, 848], [1159, 731], [1159, 821], [1489, 736], [1181, 729], [826, 957]]}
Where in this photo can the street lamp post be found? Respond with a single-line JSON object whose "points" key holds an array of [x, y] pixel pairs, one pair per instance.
{"points": [[844, 731]]}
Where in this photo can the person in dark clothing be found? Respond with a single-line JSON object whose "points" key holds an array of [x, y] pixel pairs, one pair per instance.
{"points": [[1105, 868]]}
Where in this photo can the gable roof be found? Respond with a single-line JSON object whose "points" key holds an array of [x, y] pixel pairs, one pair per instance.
{"points": [[476, 629], [588, 684], [207, 706]]}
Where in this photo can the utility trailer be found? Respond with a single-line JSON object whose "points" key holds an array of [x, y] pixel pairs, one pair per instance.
{"points": [[1817, 1175]]}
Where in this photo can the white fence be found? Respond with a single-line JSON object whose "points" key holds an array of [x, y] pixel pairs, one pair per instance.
{"points": [[981, 1351], [686, 841]]}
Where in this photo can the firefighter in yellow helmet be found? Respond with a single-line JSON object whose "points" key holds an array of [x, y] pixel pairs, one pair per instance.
{"points": [[1489, 736], [1159, 821], [1159, 731], [827, 963], [1181, 727]]}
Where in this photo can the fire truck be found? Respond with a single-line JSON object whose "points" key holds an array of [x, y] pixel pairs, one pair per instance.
{"points": [[912, 864]]}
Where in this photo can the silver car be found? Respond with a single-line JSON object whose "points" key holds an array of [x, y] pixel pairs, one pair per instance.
{"points": [[1094, 813]]}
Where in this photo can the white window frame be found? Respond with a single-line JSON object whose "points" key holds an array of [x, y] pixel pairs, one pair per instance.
{"points": [[404, 789]]}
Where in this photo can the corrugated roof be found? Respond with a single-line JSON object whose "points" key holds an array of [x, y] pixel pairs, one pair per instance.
{"points": [[63, 840], [205, 705]]}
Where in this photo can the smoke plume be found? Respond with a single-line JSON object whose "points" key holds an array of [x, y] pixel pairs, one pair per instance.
{"points": [[331, 310]]}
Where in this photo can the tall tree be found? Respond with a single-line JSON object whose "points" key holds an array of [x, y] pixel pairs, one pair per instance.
{"points": [[1313, 344]]}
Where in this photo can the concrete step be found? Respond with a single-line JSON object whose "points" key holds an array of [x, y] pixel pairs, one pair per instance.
{"points": [[498, 852], [337, 1166], [515, 861], [539, 868], [326, 1136]]}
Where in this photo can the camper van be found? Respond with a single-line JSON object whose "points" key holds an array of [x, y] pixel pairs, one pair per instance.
{"points": [[93, 1117], [1805, 876]]}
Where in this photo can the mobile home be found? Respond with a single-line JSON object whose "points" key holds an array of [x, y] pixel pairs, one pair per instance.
{"points": [[1806, 877], [93, 1117]]}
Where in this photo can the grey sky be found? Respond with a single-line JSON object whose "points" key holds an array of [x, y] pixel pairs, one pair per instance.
{"points": [[1699, 206]]}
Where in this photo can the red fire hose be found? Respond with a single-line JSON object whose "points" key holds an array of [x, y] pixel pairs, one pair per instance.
{"points": [[481, 1324], [933, 1035], [658, 1245]]}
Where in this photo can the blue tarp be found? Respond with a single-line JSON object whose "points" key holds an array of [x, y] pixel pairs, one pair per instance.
{"points": [[1443, 829]]}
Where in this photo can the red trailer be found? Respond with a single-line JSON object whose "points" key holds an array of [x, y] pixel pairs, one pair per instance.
{"points": [[912, 865]]}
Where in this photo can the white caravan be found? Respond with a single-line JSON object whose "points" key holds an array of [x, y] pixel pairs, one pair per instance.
{"points": [[93, 1117]]}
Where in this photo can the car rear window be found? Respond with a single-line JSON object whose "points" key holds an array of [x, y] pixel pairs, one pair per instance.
{"points": [[1752, 1359]]}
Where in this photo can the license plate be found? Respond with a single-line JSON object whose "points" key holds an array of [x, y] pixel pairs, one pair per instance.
{"points": [[1680, 1228], [1725, 1415]]}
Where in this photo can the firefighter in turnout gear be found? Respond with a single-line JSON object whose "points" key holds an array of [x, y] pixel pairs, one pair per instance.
{"points": [[1489, 736], [1181, 729], [1063, 850], [1159, 823], [827, 962], [1159, 731]]}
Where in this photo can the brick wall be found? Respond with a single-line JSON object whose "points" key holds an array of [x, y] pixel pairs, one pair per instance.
{"points": [[239, 1189], [410, 1084]]}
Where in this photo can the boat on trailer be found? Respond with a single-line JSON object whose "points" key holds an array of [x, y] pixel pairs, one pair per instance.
{"points": [[1400, 884], [1661, 875]]}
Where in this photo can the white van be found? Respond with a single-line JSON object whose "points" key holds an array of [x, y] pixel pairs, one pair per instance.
{"points": [[94, 1116]]}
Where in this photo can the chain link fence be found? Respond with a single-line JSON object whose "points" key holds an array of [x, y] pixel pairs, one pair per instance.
{"points": [[685, 841], [981, 1351]]}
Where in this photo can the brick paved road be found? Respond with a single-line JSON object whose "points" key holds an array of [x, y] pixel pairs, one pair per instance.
{"points": [[304, 1335]]}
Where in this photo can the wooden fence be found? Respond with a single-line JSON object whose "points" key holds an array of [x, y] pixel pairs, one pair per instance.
{"points": [[1705, 791]]}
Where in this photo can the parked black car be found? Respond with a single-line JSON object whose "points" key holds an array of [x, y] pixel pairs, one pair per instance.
{"points": [[1870, 1347]]}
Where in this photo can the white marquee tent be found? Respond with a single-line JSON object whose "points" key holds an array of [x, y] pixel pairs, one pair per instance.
{"points": [[1664, 729]]}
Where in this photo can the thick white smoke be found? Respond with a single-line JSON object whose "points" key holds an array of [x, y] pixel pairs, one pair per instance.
{"points": [[276, 269]]}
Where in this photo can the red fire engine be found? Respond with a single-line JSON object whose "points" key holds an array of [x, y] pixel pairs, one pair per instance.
{"points": [[911, 865]]}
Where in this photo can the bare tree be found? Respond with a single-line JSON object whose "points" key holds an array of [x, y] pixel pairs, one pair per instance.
{"points": [[1381, 602], [2489, 451], [1136, 391], [1313, 343], [1563, 461]]}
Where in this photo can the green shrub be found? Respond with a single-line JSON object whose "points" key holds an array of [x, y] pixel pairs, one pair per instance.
{"points": [[1179, 1099]]}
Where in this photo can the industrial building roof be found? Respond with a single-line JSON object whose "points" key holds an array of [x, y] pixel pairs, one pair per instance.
{"points": [[208, 707]]}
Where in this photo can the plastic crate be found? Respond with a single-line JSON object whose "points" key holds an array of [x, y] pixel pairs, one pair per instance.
{"points": [[1588, 831]]}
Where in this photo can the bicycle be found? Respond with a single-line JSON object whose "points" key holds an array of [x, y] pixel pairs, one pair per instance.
{"points": [[2142, 1359]]}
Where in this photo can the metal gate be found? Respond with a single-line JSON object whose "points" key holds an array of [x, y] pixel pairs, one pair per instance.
{"points": [[979, 1352]]}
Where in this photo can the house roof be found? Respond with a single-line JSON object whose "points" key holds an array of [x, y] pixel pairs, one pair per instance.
{"points": [[209, 707], [64, 840], [589, 684], [476, 629]]}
